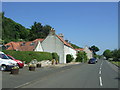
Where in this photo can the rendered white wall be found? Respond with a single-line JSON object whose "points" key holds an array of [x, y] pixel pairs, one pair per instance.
{"points": [[88, 52], [39, 47], [53, 44], [68, 50]]}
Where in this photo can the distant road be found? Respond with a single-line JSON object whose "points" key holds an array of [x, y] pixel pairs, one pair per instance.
{"points": [[100, 75]]}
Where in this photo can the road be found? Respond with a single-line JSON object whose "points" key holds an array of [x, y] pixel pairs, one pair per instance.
{"points": [[100, 75]]}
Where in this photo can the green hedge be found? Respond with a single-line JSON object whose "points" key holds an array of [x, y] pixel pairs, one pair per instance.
{"points": [[27, 56]]}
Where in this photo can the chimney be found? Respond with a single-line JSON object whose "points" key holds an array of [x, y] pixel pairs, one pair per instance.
{"points": [[52, 31], [61, 35]]}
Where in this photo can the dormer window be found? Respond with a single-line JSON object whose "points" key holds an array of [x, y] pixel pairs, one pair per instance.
{"points": [[32, 44], [7, 46], [23, 44]]}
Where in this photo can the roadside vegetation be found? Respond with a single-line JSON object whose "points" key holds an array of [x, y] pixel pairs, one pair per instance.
{"points": [[113, 56], [55, 56], [27, 56], [69, 58], [81, 57], [116, 63]]}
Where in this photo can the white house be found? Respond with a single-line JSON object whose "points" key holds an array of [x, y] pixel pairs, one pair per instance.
{"points": [[87, 51], [56, 43]]}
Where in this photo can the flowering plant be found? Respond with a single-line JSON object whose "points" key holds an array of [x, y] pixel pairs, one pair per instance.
{"points": [[15, 67], [31, 65]]}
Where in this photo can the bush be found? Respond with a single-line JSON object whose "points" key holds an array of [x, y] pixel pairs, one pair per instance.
{"points": [[69, 58], [27, 56], [81, 56], [55, 56]]}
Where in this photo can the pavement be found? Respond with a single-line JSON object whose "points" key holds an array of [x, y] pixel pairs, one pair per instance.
{"points": [[100, 75]]}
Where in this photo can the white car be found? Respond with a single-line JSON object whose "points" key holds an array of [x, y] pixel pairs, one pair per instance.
{"points": [[5, 62]]}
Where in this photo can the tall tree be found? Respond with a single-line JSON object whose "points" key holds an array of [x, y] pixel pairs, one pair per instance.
{"points": [[107, 53], [94, 49], [39, 31]]}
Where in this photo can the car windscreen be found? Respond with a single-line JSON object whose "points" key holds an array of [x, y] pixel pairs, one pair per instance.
{"points": [[10, 57], [3, 56], [92, 59]]}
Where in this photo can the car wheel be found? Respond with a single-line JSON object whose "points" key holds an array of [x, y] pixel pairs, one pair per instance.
{"points": [[3, 67]]}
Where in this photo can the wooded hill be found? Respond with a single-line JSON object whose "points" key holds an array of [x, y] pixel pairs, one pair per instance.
{"points": [[13, 31]]}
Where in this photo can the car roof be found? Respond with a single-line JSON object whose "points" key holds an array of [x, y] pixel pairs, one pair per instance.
{"points": [[1, 52]]}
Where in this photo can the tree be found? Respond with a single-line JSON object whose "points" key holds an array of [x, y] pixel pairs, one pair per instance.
{"points": [[116, 54], [12, 31], [69, 58], [39, 31], [94, 49], [46, 30], [107, 53]]}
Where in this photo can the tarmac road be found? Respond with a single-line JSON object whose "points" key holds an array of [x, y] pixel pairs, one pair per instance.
{"points": [[100, 75]]}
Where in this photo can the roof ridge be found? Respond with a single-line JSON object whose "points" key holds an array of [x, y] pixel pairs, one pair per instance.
{"points": [[66, 43]]}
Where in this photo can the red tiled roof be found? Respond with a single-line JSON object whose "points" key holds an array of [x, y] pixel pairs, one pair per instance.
{"points": [[22, 46], [64, 41], [39, 39], [80, 49]]}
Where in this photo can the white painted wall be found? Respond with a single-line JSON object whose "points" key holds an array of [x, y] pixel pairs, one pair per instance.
{"points": [[53, 44], [39, 47], [69, 50], [88, 52]]}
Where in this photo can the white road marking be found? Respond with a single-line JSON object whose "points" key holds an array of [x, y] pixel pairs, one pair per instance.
{"points": [[100, 72], [100, 81], [22, 85]]}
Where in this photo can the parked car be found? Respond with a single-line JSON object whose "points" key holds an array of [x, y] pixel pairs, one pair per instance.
{"points": [[96, 59], [20, 63], [5, 62], [92, 61]]}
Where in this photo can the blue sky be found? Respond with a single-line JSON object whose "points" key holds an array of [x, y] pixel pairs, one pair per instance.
{"points": [[82, 23]]}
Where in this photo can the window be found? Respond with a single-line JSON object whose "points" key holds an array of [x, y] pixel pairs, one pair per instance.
{"points": [[3, 56], [32, 44], [23, 44], [7, 46], [10, 57]]}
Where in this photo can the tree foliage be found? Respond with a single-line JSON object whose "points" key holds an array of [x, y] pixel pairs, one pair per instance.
{"points": [[55, 56], [12, 31], [69, 58], [94, 49], [81, 57], [115, 54], [74, 46]]}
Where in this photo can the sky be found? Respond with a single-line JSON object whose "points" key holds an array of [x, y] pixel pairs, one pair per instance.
{"points": [[82, 23]]}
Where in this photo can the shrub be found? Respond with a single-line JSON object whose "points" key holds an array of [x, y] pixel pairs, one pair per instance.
{"points": [[69, 58], [55, 56], [27, 56], [81, 56]]}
